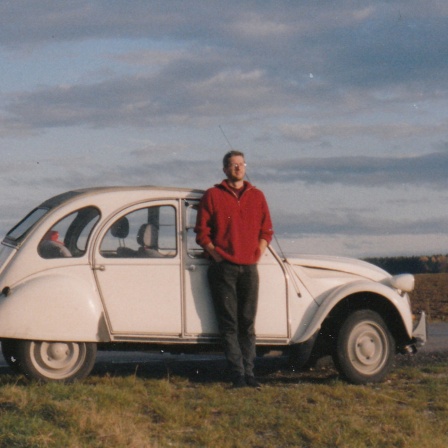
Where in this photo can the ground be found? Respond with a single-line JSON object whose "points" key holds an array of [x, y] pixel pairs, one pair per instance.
{"points": [[431, 295]]}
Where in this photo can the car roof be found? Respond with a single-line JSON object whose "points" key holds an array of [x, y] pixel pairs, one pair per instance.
{"points": [[96, 192]]}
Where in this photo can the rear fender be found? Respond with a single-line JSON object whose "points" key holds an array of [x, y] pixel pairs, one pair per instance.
{"points": [[337, 295], [53, 307]]}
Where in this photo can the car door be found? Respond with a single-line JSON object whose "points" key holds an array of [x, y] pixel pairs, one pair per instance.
{"points": [[272, 315], [137, 267]]}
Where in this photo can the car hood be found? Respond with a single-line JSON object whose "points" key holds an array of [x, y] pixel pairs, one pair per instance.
{"points": [[342, 265]]}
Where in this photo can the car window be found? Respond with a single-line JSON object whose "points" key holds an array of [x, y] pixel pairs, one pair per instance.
{"points": [[193, 248], [69, 236], [23, 227], [145, 233]]}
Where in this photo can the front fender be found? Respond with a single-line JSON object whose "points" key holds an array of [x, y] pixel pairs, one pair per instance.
{"points": [[338, 294], [53, 307]]}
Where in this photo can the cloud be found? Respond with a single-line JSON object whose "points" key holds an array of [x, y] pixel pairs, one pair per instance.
{"points": [[347, 130], [427, 169], [211, 60], [350, 223], [352, 97], [390, 52], [188, 92]]}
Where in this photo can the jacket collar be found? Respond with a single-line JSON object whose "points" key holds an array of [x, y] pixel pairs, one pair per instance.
{"points": [[225, 186]]}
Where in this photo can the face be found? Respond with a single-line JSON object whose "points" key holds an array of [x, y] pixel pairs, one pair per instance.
{"points": [[236, 169]]}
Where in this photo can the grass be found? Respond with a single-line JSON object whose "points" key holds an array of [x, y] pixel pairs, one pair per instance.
{"points": [[307, 409]]}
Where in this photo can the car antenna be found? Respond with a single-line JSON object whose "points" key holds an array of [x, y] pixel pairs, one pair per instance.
{"points": [[275, 236]]}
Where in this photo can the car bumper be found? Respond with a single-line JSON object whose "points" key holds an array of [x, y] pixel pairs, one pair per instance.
{"points": [[419, 334]]}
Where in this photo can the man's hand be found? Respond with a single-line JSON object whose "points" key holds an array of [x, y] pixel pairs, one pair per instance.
{"points": [[262, 245], [210, 249]]}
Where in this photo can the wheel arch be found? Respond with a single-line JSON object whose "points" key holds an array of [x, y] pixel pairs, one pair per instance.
{"points": [[344, 300], [323, 341], [366, 301]]}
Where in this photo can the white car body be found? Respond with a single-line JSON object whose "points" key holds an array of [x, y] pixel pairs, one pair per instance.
{"points": [[102, 287]]}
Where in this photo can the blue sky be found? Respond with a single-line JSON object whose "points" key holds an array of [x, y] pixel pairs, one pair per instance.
{"points": [[340, 107]]}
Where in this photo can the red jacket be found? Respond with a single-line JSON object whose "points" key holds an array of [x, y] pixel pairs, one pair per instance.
{"points": [[234, 226]]}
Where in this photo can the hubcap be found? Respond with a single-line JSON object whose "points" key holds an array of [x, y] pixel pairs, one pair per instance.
{"points": [[57, 360], [368, 347], [58, 351]]}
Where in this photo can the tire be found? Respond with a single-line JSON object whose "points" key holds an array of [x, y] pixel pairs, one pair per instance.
{"points": [[55, 361], [9, 351], [365, 348]]}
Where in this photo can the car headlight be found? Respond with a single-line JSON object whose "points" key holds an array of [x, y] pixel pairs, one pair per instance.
{"points": [[403, 282]]}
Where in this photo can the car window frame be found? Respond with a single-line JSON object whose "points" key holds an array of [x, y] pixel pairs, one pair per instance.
{"points": [[72, 234], [157, 202]]}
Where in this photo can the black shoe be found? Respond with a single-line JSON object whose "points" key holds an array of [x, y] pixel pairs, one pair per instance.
{"points": [[239, 382], [252, 382]]}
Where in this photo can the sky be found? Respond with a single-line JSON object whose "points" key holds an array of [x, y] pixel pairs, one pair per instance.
{"points": [[339, 106]]}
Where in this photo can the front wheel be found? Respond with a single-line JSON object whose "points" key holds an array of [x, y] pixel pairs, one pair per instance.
{"points": [[365, 348], [55, 361]]}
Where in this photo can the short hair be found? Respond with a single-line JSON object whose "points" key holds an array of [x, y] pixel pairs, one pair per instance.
{"points": [[229, 155]]}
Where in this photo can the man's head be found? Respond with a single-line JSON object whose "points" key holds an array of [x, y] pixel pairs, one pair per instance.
{"points": [[234, 166], [229, 155]]}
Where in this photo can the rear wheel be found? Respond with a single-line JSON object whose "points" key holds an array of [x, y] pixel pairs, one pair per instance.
{"points": [[55, 361], [365, 348]]}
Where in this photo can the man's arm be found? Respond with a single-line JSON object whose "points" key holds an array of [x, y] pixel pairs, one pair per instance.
{"points": [[203, 230], [266, 230], [203, 219]]}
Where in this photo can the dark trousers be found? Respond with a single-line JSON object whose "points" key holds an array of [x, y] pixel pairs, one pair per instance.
{"points": [[234, 291]]}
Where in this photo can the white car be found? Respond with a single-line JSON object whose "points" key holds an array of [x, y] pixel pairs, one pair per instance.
{"points": [[119, 267]]}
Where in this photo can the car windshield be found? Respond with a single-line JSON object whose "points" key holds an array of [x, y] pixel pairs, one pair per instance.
{"points": [[24, 226]]}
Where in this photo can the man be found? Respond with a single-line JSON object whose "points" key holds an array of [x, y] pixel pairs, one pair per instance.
{"points": [[234, 228]]}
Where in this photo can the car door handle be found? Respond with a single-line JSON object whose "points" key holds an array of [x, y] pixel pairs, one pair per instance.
{"points": [[99, 267], [191, 267]]}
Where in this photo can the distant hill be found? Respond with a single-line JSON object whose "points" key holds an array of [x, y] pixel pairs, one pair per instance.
{"points": [[431, 264]]}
